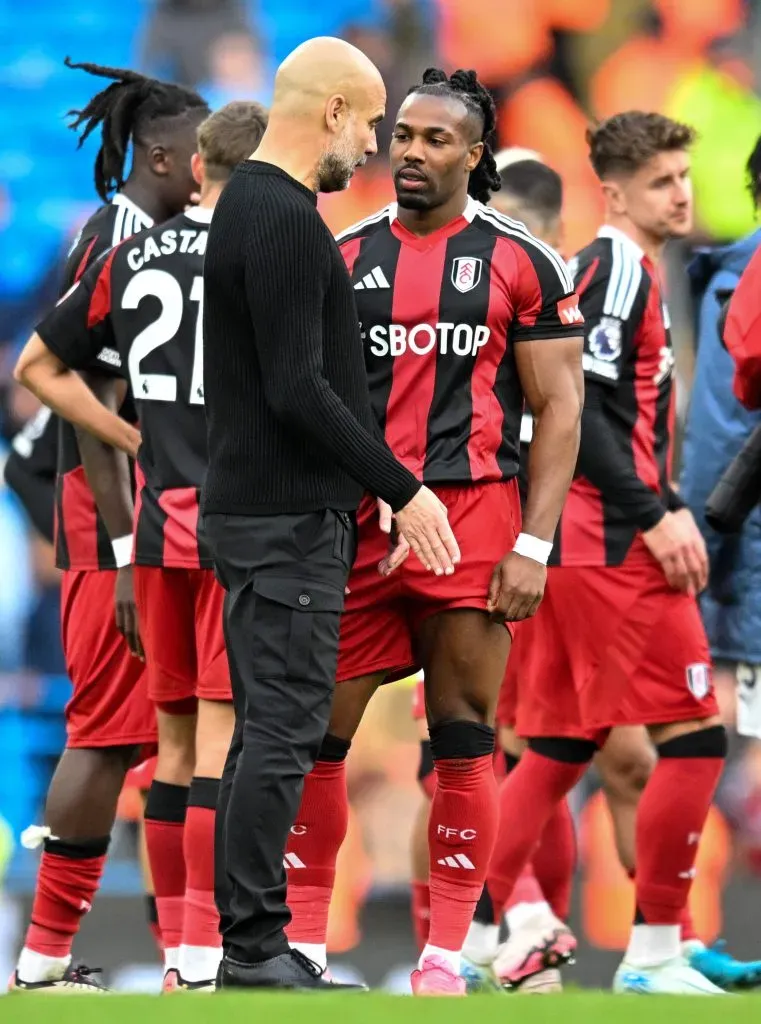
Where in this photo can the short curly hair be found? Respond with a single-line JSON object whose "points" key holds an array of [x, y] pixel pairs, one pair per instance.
{"points": [[625, 142]]}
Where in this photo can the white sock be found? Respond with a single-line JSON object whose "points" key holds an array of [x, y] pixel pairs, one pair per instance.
{"points": [[518, 915], [316, 951], [481, 943], [171, 959], [34, 967], [199, 963], [451, 956], [653, 944]]}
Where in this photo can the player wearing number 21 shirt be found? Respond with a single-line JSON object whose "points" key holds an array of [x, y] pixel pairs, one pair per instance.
{"points": [[137, 313]]}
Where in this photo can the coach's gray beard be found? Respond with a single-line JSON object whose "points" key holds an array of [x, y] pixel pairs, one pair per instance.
{"points": [[335, 170]]}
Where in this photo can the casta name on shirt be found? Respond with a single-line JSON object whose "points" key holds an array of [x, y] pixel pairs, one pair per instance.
{"points": [[186, 240]]}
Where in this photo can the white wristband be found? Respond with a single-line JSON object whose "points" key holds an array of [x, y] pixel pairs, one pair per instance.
{"points": [[533, 547], [122, 550]]}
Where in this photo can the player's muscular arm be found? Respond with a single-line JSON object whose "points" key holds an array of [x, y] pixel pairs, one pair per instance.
{"points": [[553, 384], [66, 393], [552, 381], [108, 473]]}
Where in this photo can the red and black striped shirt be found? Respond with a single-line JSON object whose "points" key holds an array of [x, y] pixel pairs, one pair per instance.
{"points": [[138, 314], [622, 482], [440, 315], [81, 538]]}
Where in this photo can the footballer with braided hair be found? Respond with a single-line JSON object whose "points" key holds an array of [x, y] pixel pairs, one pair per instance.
{"points": [[109, 717], [158, 120], [464, 85], [464, 314]]}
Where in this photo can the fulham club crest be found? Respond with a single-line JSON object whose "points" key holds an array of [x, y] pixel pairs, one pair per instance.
{"points": [[466, 273], [699, 680]]}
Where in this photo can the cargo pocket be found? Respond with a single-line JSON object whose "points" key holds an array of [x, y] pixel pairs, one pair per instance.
{"points": [[296, 626]]}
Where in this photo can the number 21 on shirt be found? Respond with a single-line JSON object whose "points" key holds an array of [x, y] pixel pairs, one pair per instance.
{"points": [[162, 387]]}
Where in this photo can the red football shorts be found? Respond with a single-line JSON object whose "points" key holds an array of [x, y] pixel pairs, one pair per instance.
{"points": [[181, 627], [611, 646], [382, 613], [109, 706]]}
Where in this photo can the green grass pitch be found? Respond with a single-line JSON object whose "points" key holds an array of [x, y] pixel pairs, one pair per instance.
{"points": [[570, 1008]]}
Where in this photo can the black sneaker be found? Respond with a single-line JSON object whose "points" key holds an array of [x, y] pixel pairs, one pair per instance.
{"points": [[291, 970], [78, 980]]}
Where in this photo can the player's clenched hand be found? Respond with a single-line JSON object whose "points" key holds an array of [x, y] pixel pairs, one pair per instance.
{"points": [[516, 588], [677, 544], [126, 611], [424, 524]]}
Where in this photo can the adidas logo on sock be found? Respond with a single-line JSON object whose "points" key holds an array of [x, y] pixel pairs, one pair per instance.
{"points": [[458, 860], [292, 861], [375, 279]]}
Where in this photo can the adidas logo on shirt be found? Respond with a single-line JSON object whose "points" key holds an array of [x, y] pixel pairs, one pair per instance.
{"points": [[375, 279], [459, 860]]}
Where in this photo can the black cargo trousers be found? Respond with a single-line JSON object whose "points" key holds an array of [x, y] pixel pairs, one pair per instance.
{"points": [[285, 577]]}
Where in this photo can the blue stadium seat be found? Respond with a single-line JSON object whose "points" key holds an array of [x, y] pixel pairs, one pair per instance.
{"points": [[47, 178]]}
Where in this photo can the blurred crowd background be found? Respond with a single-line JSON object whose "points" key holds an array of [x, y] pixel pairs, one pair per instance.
{"points": [[552, 66]]}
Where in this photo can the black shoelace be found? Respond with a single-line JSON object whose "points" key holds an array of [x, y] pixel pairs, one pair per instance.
{"points": [[309, 965], [82, 971]]}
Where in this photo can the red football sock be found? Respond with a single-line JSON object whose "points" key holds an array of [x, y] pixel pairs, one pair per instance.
{"points": [[67, 881], [313, 846], [688, 925], [461, 835], [670, 820], [421, 912], [528, 798], [525, 890], [201, 921], [165, 813], [554, 860]]}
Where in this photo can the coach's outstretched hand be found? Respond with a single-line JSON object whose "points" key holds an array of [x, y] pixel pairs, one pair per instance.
{"points": [[424, 525], [516, 588], [678, 545], [126, 611]]}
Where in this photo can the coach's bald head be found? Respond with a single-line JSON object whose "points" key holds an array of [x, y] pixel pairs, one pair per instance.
{"points": [[328, 99]]}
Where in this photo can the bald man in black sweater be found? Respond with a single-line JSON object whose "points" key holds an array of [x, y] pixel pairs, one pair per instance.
{"points": [[292, 449]]}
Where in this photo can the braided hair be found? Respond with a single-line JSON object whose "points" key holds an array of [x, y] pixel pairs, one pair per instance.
{"points": [[126, 109], [477, 100]]}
